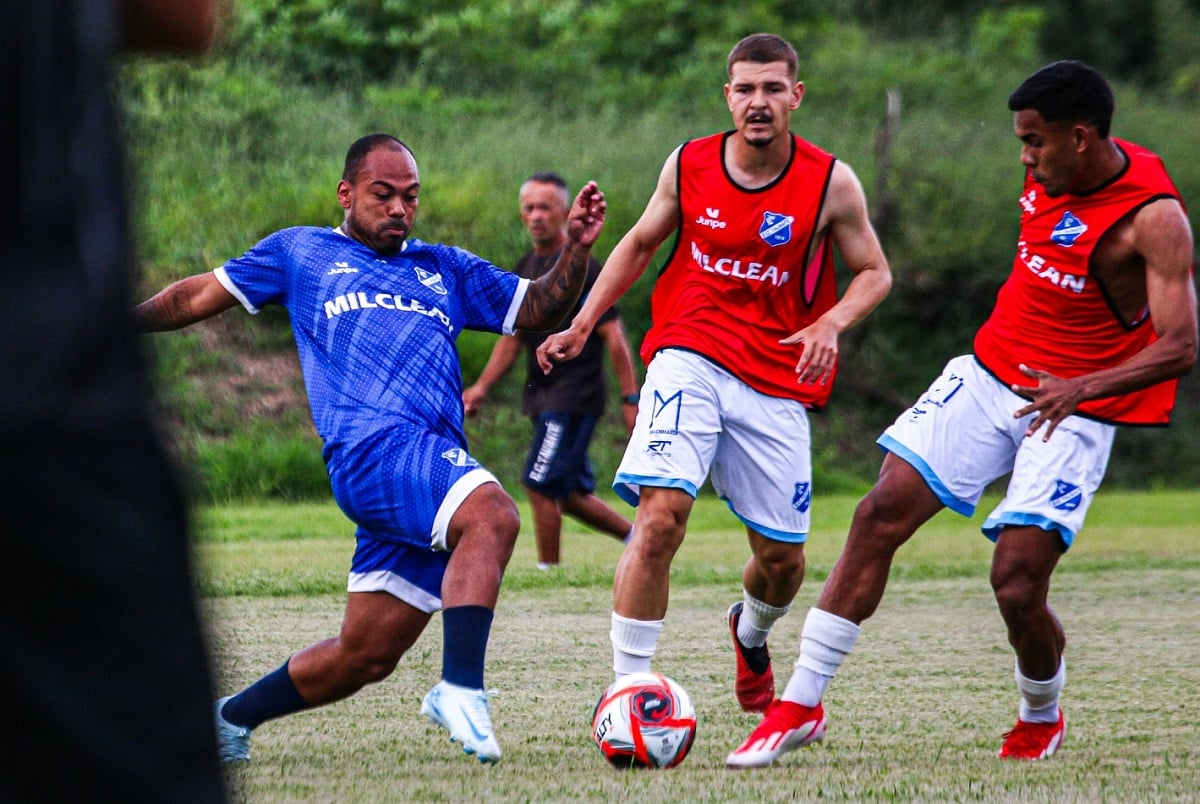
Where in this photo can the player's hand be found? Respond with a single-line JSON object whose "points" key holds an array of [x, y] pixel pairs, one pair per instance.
{"points": [[585, 220], [818, 357], [472, 399], [560, 347], [1051, 398]]}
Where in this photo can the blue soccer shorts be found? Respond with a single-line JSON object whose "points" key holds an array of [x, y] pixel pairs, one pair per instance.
{"points": [[401, 487]]}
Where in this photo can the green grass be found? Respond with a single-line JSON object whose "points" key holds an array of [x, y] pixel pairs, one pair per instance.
{"points": [[915, 714]]}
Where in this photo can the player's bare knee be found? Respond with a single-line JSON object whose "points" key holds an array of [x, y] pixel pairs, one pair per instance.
{"points": [[1018, 598], [779, 560], [878, 522]]}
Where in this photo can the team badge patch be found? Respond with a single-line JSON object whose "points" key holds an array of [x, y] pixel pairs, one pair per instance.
{"points": [[1066, 497], [431, 281], [776, 229], [459, 457], [1067, 230], [802, 498]]}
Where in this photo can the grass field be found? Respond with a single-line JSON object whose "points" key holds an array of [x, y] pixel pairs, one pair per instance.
{"points": [[916, 713]]}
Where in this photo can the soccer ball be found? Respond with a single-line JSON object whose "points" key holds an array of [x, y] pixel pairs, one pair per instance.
{"points": [[644, 720]]}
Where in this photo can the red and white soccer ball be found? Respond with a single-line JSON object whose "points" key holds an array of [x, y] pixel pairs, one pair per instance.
{"points": [[644, 720]]}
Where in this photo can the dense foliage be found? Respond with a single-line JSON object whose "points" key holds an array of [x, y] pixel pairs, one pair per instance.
{"points": [[251, 139]]}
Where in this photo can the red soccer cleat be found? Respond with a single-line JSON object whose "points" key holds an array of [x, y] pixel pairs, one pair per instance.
{"points": [[1034, 740], [755, 684], [786, 727]]}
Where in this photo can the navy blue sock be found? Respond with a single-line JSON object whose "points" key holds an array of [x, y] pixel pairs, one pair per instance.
{"points": [[274, 695], [465, 631]]}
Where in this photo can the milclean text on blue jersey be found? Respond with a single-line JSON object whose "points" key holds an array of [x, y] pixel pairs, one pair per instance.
{"points": [[385, 301]]}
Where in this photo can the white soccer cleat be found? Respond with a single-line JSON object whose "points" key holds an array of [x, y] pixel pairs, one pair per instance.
{"points": [[466, 714], [785, 727], [233, 742]]}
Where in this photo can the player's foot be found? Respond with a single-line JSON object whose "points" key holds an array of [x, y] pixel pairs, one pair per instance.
{"points": [[467, 715], [233, 742], [785, 727], [755, 684], [1034, 740]]}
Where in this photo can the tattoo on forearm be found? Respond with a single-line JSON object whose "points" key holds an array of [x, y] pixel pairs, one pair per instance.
{"points": [[551, 298]]}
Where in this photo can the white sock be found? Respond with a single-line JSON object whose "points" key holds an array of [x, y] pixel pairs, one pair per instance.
{"points": [[634, 643], [756, 620], [824, 643], [1039, 699]]}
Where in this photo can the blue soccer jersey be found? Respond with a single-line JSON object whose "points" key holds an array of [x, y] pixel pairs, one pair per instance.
{"points": [[376, 335]]}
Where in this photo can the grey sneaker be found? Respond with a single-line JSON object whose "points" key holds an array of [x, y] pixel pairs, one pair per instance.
{"points": [[233, 742], [467, 715]]}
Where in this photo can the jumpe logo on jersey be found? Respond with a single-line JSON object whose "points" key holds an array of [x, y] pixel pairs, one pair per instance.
{"points": [[713, 219], [1066, 496], [776, 228], [1067, 230]]}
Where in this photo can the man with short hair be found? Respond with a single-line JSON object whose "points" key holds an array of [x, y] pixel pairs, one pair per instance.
{"points": [[1094, 325], [744, 341], [375, 315], [566, 404]]}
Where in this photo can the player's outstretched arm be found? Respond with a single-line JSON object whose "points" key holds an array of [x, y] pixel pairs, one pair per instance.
{"points": [[622, 268], [551, 296], [182, 303]]}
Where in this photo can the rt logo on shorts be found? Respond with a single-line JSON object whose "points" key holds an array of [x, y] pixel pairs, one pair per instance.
{"points": [[459, 457], [1066, 496], [803, 497]]}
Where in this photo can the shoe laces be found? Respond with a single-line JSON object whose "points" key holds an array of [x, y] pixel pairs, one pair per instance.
{"points": [[479, 705]]}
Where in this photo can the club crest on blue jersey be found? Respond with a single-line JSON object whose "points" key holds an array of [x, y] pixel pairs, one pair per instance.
{"points": [[1066, 496], [802, 498], [776, 228], [1067, 230], [431, 281], [459, 457]]}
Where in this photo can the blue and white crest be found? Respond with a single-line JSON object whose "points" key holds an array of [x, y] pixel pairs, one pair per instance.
{"points": [[1067, 230], [459, 457], [431, 281], [1067, 496], [776, 229], [803, 497]]}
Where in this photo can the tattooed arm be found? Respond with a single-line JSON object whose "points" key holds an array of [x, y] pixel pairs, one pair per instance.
{"points": [[623, 267], [551, 297], [182, 303]]}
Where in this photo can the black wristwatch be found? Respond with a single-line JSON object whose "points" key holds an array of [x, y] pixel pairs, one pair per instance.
{"points": [[631, 399]]}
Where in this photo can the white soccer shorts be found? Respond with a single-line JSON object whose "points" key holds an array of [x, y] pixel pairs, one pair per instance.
{"points": [[962, 434], [694, 417]]}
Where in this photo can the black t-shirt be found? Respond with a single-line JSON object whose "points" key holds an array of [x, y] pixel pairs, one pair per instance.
{"points": [[69, 356], [576, 386]]}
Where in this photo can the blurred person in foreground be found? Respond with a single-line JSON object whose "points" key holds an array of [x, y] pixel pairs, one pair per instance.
{"points": [[743, 343], [566, 404], [375, 316], [1094, 325], [103, 662]]}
